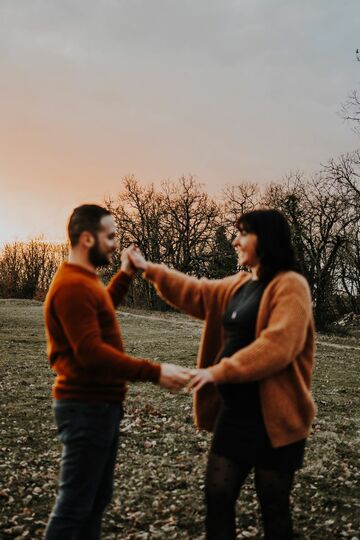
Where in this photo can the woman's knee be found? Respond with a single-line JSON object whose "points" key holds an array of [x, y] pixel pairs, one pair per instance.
{"points": [[224, 479], [273, 488], [220, 492]]}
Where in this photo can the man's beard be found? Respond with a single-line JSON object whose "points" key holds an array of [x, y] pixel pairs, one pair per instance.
{"points": [[96, 257]]}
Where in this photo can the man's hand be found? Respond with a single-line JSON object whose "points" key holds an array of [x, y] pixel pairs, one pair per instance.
{"points": [[136, 257], [173, 377], [126, 264], [200, 377]]}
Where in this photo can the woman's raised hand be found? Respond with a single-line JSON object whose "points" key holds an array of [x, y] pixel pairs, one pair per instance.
{"points": [[137, 259]]}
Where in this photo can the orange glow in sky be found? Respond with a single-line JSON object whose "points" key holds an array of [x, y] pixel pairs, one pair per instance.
{"points": [[225, 91]]}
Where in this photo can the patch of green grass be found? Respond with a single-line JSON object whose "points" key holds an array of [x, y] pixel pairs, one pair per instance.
{"points": [[160, 470]]}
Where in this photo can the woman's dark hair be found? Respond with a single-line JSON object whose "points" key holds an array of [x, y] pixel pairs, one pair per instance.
{"points": [[274, 245], [86, 217]]}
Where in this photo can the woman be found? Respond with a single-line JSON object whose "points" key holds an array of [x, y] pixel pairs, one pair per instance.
{"points": [[256, 360]]}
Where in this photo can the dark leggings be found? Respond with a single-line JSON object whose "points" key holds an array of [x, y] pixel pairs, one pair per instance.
{"points": [[224, 479]]}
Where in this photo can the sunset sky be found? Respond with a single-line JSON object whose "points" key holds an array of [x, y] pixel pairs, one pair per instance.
{"points": [[227, 90]]}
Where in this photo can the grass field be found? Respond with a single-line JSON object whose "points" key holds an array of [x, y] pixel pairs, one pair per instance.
{"points": [[159, 476]]}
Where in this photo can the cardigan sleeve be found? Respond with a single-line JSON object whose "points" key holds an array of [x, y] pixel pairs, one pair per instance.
{"points": [[279, 343], [186, 293]]}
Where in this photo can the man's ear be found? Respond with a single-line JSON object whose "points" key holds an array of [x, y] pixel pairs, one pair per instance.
{"points": [[87, 239]]}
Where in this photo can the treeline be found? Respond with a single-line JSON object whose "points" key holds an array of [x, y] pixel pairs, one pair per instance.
{"points": [[179, 224], [27, 268]]}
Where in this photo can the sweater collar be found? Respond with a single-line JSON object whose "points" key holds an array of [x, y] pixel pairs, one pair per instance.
{"points": [[79, 269]]}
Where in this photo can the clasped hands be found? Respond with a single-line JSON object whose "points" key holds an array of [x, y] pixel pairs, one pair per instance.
{"points": [[172, 377]]}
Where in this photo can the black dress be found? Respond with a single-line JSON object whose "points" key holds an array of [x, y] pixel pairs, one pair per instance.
{"points": [[240, 432]]}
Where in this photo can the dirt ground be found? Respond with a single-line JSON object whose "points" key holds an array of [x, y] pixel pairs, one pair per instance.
{"points": [[160, 471]]}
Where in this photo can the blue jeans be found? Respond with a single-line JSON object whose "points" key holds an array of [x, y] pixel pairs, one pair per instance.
{"points": [[89, 433]]}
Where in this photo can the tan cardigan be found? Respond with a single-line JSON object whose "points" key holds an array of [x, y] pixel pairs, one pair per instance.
{"points": [[281, 358]]}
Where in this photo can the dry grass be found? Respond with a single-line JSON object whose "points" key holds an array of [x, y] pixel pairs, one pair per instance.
{"points": [[159, 477]]}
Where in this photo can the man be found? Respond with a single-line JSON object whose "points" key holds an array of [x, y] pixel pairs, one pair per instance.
{"points": [[85, 349]]}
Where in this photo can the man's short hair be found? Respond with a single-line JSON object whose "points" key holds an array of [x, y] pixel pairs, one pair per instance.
{"points": [[86, 217]]}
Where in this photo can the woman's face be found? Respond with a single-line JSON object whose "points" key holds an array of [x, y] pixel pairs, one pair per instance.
{"points": [[245, 245]]}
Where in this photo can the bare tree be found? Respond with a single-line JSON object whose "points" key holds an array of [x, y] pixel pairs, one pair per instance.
{"points": [[348, 272], [175, 224], [10, 269], [191, 218], [27, 268], [239, 199], [139, 216], [180, 224], [138, 211], [321, 220], [350, 110], [345, 171]]}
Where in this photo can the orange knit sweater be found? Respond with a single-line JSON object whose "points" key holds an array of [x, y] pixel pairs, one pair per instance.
{"points": [[84, 341], [281, 358]]}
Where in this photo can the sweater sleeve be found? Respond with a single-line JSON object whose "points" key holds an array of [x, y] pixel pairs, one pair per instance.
{"points": [[118, 287], [278, 344], [76, 309], [183, 292]]}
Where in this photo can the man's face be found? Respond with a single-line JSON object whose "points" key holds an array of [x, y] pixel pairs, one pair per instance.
{"points": [[100, 254]]}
